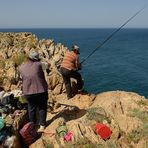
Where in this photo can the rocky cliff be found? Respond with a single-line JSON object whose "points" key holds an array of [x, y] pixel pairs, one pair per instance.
{"points": [[125, 113]]}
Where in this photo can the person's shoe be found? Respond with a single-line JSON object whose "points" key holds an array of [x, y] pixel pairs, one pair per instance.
{"points": [[82, 92], [41, 129], [69, 97]]}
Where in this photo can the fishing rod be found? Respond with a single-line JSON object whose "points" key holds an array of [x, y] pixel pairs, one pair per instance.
{"points": [[110, 36]]}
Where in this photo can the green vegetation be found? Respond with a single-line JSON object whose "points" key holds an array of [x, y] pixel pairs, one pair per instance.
{"points": [[19, 59], [2, 64], [112, 144], [82, 143], [86, 143], [46, 145], [2, 79], [142, 115], [31, 43], [143, 102], [141, 132], [97, 114]]}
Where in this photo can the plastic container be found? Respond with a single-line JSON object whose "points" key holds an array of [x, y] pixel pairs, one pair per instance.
{"points": [[68, 137], [2, 123], [61, 130], [103, 130]]}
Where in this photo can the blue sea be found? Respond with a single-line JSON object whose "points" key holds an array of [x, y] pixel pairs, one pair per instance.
{"points": [[120, 64]]}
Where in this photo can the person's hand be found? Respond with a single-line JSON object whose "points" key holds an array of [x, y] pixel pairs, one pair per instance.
{"points": [[49, 65], [20, 85], [79, 66]]}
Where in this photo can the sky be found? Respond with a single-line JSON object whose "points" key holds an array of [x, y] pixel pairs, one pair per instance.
{"points": [[72, 13]]}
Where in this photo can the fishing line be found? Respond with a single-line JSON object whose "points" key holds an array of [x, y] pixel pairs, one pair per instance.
{"points": [[110, 36]]}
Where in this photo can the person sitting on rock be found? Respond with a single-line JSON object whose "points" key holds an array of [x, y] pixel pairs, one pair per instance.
{"points": [[69, 69]]}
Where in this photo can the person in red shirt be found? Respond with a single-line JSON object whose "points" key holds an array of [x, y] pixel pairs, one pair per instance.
{"points": [[69, 69]]}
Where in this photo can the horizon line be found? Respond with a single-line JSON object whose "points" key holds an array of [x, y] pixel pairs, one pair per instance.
{"points": [[75, 28]]}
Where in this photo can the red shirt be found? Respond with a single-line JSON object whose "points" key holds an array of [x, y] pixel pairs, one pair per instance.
{"points": [[70, 61]]}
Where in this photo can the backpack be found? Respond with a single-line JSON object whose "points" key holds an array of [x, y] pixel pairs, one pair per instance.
{"points": [[7, 103], [28, 133], [7, 99], [5, 132]]}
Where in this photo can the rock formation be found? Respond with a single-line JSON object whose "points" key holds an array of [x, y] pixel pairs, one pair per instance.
{"points": [[125, 113]]}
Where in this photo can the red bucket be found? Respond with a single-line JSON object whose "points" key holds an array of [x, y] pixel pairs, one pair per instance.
{"points": [[103, 130]]}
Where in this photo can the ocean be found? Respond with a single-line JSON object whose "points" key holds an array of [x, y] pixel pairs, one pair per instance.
{"points": [[120, 64]]}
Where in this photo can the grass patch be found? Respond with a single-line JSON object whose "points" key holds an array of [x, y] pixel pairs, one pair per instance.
{"points": [[112, 144], [142, 115], [46, 144], [97, 114], [2, 79], [136, 135], [86, 143], [82, 143], [141, 132], [2, 64], [143, 102], [19, 59]]}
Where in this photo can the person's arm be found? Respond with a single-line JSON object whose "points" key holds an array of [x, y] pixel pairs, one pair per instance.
{"points": [[48, 69], [78, 64], [46, 66], [19, 81]]}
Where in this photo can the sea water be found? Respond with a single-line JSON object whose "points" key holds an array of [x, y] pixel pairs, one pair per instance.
{"points": [[120, 64]]}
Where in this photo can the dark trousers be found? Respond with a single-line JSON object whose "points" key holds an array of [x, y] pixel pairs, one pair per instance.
{"points": [[67, 74], [37, 101]]}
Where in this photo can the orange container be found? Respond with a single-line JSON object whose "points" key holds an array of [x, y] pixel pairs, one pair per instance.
{"points": [[103, 130]]}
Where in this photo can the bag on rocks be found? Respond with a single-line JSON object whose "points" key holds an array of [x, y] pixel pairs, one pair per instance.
{"points": [[8, 99], [2, 123], [7, 104], [4, 134], [28, 133]]}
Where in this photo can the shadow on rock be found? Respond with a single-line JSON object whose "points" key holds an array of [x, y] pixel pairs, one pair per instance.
{"points": [[68, 113]]}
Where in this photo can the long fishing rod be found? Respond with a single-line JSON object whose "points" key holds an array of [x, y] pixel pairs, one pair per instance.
{"points": [[110, 36]]}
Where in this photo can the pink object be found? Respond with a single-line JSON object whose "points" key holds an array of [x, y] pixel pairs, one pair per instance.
{"points": [[103, 130], [68, 137]]}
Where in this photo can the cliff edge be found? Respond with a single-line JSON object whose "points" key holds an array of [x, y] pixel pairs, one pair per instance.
{"points": [[125, 113]]}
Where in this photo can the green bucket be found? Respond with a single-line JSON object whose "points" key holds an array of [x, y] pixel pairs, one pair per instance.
{"points": [[2, 123], [61, 130]]}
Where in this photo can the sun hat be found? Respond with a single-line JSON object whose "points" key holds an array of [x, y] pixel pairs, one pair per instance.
{"points": [[76, 47], [34, 55]]}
